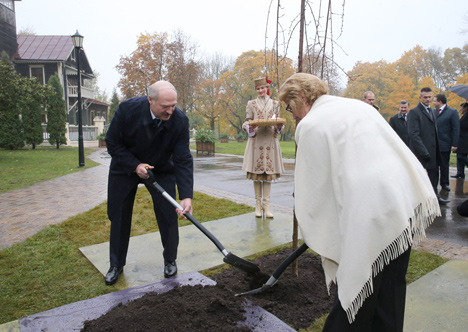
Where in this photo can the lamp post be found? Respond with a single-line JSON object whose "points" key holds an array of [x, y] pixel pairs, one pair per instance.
{"points": [[78, 43]]}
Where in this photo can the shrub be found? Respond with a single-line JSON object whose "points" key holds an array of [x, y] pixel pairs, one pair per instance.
{"points": [[205, 135]]}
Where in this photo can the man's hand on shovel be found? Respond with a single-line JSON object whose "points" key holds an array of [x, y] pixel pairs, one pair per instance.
{"points": [[147, 174]]}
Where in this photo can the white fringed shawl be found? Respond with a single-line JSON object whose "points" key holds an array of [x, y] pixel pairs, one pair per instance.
{"points": [[361, 196]]}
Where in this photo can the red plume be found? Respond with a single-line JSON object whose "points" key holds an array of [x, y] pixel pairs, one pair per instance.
{"points": [[269, 82]]}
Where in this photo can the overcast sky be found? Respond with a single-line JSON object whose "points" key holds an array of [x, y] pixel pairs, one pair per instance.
{"points": [[372, 29]]}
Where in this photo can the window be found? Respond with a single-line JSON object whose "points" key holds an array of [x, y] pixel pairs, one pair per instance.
{"points": [[8, 4], [37, 72]]}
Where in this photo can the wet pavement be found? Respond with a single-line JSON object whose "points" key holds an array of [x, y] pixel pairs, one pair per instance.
{"points": [[224, 172], [25, 211]]}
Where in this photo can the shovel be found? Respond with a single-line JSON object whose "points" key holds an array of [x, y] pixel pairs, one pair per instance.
{"points": [[229, 258], [279, 271]]}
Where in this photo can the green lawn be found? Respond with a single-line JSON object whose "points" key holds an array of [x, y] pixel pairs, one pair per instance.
{"points": [[233, 147], [25, 167], [287, 149]]}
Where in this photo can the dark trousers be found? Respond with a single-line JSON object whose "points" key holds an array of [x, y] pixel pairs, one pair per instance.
{"points": [[121, 196], [462, 162], [444, 168], [433, 174], [384, 310]]}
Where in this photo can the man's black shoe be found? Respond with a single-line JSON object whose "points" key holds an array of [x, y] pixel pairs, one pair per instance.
{"points": [[442, 201], [170, 269], [446, 188], [113, 274], [458, 176]]}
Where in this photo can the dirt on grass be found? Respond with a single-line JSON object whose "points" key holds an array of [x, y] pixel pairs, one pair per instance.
{"points": [[297, 301]]}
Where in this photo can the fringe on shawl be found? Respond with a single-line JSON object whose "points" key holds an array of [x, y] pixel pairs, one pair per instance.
{"points": [[424, 215]]}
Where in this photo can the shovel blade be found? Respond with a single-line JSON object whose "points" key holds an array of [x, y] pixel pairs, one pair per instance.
{"points": [[240, 263], [254, 291]]}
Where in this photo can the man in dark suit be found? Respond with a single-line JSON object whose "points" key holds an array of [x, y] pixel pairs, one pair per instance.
{"points": [[398, 121], [423, 141], [369, 98], [462, 150], [448, 130], [148, 132]]}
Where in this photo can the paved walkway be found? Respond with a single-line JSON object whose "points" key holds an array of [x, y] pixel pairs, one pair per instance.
{"points": [[23, 212]]}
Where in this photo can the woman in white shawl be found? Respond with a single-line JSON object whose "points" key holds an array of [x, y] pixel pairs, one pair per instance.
{"points": [[262, 158], [362, 199]]}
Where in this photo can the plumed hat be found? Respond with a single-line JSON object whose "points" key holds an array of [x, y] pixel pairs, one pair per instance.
{"points": [[261, 81]]}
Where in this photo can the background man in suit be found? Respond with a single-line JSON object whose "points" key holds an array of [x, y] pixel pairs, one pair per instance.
{"points": [[398, 121], [448, 130], [148, 132], [423, 141], [369, 98], [462, 151]]}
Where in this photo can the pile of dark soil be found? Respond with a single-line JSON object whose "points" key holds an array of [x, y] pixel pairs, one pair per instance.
{"points": [[298, 301]]}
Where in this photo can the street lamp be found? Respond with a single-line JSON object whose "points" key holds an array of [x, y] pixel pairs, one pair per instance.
{"points": [[78, 43]]}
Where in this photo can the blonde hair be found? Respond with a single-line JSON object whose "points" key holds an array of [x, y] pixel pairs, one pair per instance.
{"points": [[302, 85]]}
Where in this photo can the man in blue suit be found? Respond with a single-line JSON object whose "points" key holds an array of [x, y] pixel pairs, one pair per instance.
{"points": [[448, 129], [148, 132]]}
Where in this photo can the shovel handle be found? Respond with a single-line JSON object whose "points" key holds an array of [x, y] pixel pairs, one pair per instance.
{"points": [[299, 251], [187, 215]]}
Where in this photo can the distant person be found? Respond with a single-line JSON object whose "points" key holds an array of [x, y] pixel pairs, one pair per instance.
{"points": [[369, 98], [262, 158], [362, 224], [423, 140], [398, 121], [148, 131], [448, 131], [462, 151]]}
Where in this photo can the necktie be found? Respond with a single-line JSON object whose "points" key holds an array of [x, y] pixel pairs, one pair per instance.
{"points": [[438, 111], [157, 122]]}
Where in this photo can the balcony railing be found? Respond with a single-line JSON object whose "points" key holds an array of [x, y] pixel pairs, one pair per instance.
{"points": [[85, 92]]}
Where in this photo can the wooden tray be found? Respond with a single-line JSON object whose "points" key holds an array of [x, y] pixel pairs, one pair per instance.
{"points": [[267, 122]]}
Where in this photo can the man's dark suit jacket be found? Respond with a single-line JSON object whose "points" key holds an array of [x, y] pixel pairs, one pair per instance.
{"points": [[399, 125], [133, 138], [448, 129], [463, 141], [422, 134]]}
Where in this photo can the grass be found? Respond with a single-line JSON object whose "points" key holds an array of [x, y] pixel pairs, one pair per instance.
{"points": [[238, 148], [47, 270], [25, 167], [287, 150]]}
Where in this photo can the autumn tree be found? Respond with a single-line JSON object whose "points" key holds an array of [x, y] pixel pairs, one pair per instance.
{"points": [[208, 104], [11, 133], [56, 113], [455, 62], [161, 57], [238, 85], [453, 98], [415, 63], [378, 77]]}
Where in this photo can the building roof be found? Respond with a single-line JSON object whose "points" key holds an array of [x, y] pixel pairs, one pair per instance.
{"points": [[94, 101], [44, 48]]}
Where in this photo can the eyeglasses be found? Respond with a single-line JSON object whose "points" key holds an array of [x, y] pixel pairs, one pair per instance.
{"points": [[288, 108]]}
